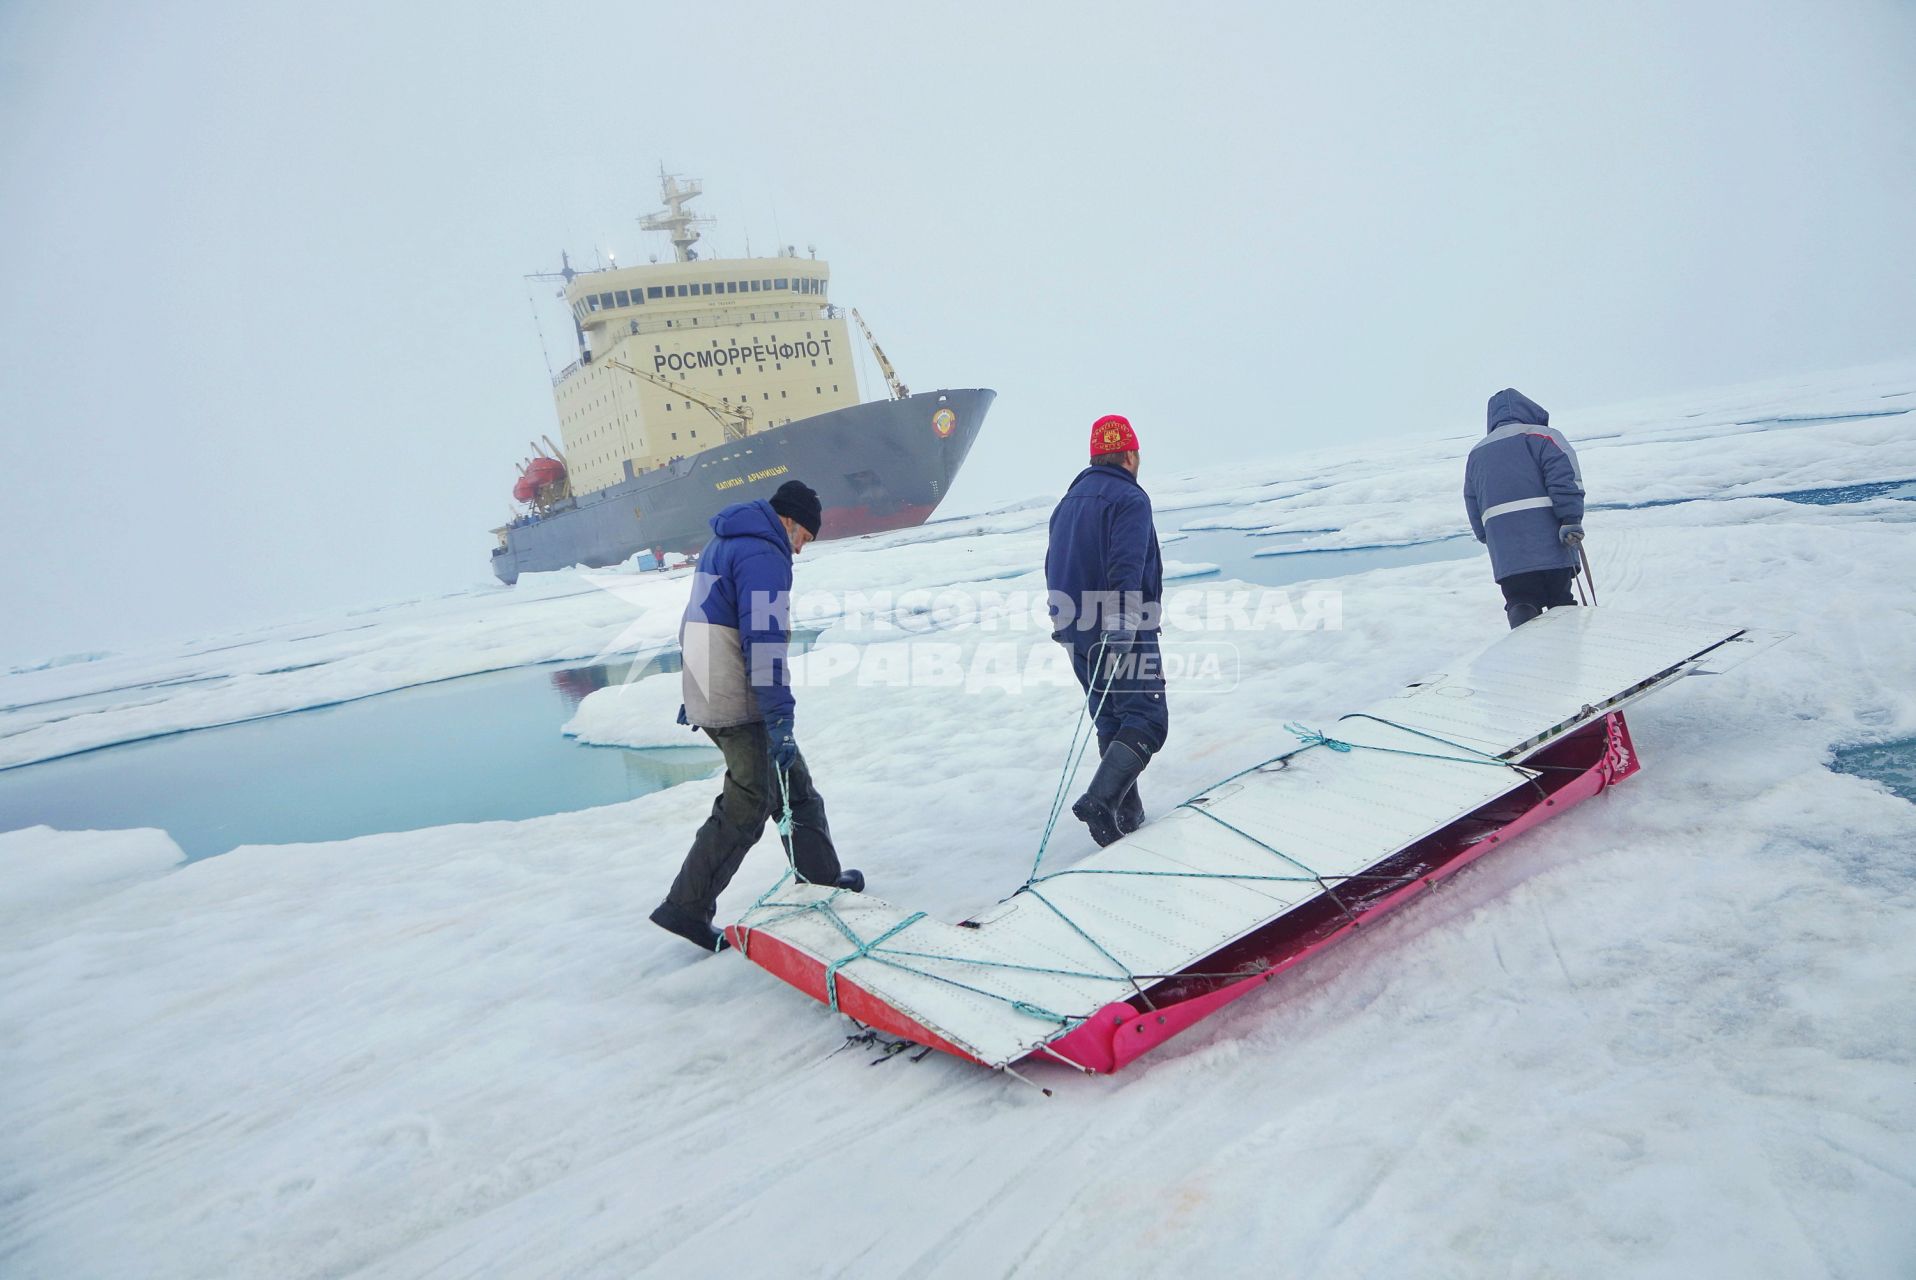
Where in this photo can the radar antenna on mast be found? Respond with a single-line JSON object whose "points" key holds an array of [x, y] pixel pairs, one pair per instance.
{"points": [[565, 271], [673, 219]]}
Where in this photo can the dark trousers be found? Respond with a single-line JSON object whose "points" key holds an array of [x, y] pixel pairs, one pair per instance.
{"points": [[1528, 594], [1127, 706], [749, 797]]}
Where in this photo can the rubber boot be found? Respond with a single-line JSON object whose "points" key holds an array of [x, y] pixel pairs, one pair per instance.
{"points": [[1520, 614], [1098, 807], [852, 880], [1131, 808], [699, 933]]}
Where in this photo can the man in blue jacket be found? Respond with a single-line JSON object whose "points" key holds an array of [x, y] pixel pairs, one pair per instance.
{"points": [[734, 638], [1107, 587], [1523, 493]]}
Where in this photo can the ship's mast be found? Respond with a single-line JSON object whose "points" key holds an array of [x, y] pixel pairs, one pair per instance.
{"points": [[673, 219]]}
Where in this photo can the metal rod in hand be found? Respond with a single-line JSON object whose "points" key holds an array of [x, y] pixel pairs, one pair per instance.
{"points": [[1588, 576]]}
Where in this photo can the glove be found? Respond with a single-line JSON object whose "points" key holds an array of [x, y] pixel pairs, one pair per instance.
{"points": [[1114, 645], [1571, 535], [784, 745]]}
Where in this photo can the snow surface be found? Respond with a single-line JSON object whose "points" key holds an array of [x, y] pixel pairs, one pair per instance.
{"points": [[1669, 1034], [48, 874]]}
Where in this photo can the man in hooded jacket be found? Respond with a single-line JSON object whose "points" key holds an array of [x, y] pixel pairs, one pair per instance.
{"points": [[734, 637], [1523, 492]]}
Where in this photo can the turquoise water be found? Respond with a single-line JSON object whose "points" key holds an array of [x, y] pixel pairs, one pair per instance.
{"points": [[475, 749], [1891, 763]]}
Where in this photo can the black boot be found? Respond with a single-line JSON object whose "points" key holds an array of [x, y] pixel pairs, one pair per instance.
{"points": [[1130, 811], [1520, 614], [852, 880], [699, 933], [1098, 807]]}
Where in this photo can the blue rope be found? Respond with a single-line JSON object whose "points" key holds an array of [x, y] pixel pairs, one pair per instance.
{"points": [[862, 950], [1312, 738], [1081, 738], [785, 817], [1098, 946]]}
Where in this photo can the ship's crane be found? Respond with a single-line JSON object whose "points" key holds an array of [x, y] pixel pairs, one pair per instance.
{"points": [[898, 389], [736, 419]]}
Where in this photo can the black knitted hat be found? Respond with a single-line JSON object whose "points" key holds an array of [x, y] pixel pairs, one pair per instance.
{"points": [[796, 501]]}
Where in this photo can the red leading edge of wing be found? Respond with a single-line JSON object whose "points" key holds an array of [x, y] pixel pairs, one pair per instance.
{"points": [[1578, 767], [786, 962]]}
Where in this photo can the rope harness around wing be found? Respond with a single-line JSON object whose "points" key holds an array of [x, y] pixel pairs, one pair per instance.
{"points": [[884, 948]]}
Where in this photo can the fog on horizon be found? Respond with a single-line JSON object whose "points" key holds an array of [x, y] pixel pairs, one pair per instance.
{"points": [[271, 350]]}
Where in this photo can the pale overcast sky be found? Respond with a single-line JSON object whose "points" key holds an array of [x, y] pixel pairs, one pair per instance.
{"points": [[268, 349]]}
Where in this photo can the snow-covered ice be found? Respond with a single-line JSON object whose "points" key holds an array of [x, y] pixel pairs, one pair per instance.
{"points": [[1670, 1033]]}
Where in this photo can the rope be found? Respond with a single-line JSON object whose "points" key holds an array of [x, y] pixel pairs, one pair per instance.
{"points": [[1321, 882], [1312, 738], [1528, 774], [1080, 739], [862, 950], [785, 818]]}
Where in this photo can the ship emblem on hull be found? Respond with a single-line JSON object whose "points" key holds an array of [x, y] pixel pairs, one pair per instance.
{"points": [[943, 421]]}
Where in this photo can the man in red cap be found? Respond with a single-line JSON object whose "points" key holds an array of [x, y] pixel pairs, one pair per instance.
{"points": [[1107, 589]]}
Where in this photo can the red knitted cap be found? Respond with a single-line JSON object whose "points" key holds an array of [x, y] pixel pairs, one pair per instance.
{"points": [[1113, 434]]}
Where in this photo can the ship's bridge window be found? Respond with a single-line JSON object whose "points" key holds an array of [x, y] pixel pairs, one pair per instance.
{"points": [[706, 288], [754, 285], [731, 286], [784, 283], [625, 299], [766, 283], [605, 301], [652, 291], [592, 301]]}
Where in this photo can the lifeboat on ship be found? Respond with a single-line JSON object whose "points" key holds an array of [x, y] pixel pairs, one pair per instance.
{"points": [[538, 474]]}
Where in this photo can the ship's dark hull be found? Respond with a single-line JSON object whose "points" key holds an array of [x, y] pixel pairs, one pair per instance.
{"points": [[883, 465]]}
